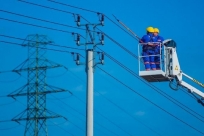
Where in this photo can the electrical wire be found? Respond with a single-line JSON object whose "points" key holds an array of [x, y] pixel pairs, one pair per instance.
{"points": [[63, 46], [51, 8], [9, 81], [152, 102], [2, 121], [60, 98], [113, 123], [21, 45], [7, 103], [112, 38], [94, 110], [68, 105], [38, 47], [73, 6], [46, 7], [20, 102], [129, 114], [62, 128], [9, 128], [68, 110], [62, 74], [55, 50], [35, 25], [116, 106], [105, 118], [3, 96], [79, 112], [154, 87], [93, 12], [55, 124], [43, 20], [59, 123]]}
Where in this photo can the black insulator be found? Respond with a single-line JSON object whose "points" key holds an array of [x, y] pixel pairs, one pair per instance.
{"points": [[102, 36], [78, 39], [78, 18], [77, 59], [102, 56], [102, 17]]}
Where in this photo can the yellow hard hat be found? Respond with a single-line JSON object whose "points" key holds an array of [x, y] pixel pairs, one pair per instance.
{"points": [[150, 29], [156, 30]]}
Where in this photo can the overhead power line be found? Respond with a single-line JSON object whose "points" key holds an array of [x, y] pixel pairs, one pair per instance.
{"points": [[7, 103], [151, 129], [152, 102], [31, 3], [73, 6], [63, 46], [168, 97], [64, 31], [104, 33], [41, 19], [70, 32], [93, 12], [9, 128], [38, 47], [9, 81], [62, 128], [78, 112]]}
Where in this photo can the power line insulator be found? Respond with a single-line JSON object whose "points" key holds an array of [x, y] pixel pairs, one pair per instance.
{"points": [[102, 38], [78, 39], [77, 59], [78, 20], [102, 58], [102, 19]]}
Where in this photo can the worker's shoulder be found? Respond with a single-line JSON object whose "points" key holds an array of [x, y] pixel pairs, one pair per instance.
{"points": [[160, 37], [145, 36]]}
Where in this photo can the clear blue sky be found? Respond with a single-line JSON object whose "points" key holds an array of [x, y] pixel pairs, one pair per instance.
{"points": [[117, 110]]}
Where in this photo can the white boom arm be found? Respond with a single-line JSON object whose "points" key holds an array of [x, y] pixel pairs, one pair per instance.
{"points": [[174, 70], [192, 89]]}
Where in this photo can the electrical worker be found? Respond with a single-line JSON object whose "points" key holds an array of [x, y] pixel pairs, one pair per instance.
{"points": [[157, 38], [148, 49]]}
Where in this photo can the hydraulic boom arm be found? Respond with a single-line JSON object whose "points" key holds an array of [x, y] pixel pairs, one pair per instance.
{"points": [[173, 70]]}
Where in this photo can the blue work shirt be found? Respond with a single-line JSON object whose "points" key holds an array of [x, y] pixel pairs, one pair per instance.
{"points": [[147, 38], [158, 39]]}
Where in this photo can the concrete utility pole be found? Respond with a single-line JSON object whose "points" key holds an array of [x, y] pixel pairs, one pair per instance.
{"points": [[90, 64], [89, 110]]}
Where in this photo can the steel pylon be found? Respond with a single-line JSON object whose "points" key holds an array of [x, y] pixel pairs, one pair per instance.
{"points": [[36, 87]]}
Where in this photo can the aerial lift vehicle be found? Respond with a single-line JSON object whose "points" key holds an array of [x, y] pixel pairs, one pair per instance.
{"points": [[170, 69]]}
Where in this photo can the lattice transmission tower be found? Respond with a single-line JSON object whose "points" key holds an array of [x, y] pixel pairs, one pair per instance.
{"points": [[36, 87]]}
